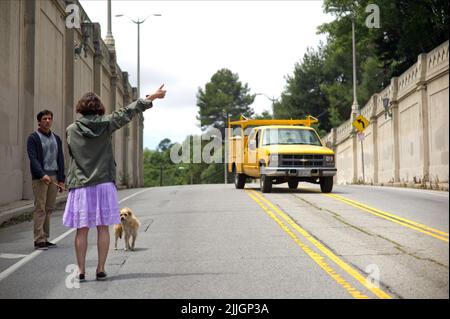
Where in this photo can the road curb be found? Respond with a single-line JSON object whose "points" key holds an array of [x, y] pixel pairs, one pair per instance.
{"points": [[7, 215], [443, 187]]}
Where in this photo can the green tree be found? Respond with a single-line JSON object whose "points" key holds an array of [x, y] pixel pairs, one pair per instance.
{"points": [[223, 96], [164, 145], [265, 115], [408, 28], [159, 168], [304, 93]]}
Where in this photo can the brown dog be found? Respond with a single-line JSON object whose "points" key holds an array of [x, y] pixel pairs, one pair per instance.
{"points": [[129, 225]]}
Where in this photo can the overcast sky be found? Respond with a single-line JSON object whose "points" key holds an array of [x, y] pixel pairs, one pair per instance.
{"points": [[259, 40]]}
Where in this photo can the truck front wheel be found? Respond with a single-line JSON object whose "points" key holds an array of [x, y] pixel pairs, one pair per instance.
{"points": [[239, 180], [326, 184], [265, 184]]}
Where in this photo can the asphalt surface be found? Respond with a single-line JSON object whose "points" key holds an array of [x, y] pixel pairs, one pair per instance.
{"points": [[213, 241]]}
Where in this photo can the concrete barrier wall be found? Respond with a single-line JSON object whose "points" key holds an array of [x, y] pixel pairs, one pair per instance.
{"points": [[385, 151], [344, 160], [119, 142], [410, 142], [40, 70], [438, 100], [11, 102]]}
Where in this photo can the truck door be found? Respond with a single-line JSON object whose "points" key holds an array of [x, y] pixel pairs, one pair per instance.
{"points": [[252, 151]]}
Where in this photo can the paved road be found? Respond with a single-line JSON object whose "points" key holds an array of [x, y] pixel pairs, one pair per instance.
{"points": [[213, 241]]}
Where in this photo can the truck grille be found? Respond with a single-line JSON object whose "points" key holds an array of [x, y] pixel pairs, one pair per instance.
{"points": [[300, 160]]}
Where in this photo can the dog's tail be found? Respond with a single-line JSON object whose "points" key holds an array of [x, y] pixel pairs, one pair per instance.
{"points": [[119, 230]]}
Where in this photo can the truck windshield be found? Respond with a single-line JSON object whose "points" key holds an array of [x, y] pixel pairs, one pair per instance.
{"points": [[286, 136]]}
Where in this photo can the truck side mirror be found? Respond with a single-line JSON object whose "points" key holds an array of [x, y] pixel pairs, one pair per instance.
{"points": [[328, 144]]}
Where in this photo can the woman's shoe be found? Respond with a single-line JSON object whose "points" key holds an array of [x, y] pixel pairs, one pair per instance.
{"points": [[101, 276], [81, 277]]}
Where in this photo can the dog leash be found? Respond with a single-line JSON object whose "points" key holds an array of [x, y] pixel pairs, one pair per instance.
{"points": [[59, 186]]}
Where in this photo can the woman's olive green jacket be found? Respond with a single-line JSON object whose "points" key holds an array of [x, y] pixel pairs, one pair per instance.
{"points": [[90, 145]]}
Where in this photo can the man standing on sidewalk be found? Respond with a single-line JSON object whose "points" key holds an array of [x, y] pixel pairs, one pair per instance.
{"points": [[47, 171]]}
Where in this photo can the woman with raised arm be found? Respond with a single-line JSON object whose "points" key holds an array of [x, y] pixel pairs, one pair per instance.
{"points": [[92, 200]]}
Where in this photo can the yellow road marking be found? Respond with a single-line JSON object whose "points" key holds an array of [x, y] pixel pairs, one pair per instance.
{"points": [[377, 291], [314, 256], [393, 218], [388, 216]]}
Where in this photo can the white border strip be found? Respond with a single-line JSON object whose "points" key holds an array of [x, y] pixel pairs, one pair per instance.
{"points": [[12, 256]]}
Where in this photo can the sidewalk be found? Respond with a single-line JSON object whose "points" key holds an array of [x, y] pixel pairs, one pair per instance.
{"points": [[22, 208], [443, 187]]}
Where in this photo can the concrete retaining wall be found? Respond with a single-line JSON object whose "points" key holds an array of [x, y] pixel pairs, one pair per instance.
{"points": [[412, 145], [40, 70]]}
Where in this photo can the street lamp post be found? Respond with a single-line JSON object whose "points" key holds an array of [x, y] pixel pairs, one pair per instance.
{"points": [[355, 106], [225, 153], [141, 117], [272, 99], [138, 23], [109, 40]]}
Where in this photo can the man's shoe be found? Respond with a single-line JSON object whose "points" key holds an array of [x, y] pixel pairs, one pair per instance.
{"points": [[50, 245], [41, 246]]}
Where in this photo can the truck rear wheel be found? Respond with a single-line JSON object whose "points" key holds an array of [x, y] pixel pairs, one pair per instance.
{"points": [[239, 180], [265, 184], [326, 184], [293, 184]]}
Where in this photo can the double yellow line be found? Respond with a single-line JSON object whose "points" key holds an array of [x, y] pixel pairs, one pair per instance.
{"points": [[278, 216], [393, 218]]}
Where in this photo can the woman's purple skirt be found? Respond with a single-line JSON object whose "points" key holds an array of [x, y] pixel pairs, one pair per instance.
{"points": [[92, 206]]}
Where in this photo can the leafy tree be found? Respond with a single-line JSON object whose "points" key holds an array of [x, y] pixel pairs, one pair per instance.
{"points": [[265, 115], [164, 145], [159, 169], [408, 28], [224, 96], [323, 79], [213, 174], [304, 94]]}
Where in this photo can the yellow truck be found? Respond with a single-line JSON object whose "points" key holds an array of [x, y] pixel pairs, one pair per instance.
{"points": [[279, 151]]}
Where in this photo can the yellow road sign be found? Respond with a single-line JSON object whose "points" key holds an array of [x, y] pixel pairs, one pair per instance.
{"points": [[360, 123]]}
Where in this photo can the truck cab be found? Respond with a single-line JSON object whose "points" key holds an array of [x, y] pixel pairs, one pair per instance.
{"points": [[279, 151]]}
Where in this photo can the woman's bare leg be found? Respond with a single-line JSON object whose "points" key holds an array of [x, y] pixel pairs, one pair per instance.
{"points": [[102, 246], [81, 243]]}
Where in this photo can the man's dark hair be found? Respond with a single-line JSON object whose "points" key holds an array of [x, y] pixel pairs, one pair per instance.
{"points": [[90, 104], [42, 113]]}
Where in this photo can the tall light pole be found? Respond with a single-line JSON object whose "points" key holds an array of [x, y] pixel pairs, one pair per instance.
{"points": [[355, 106], [141, 117], [272, 99], [225, 153], [138, 23], [109, 40]]}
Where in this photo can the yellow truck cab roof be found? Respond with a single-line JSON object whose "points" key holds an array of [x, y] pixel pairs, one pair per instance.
{"points": [[285, 126], [244, 122]]}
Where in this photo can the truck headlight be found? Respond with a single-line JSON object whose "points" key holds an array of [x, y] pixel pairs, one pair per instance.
{"points": [[273, 160], [329, 160]]}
